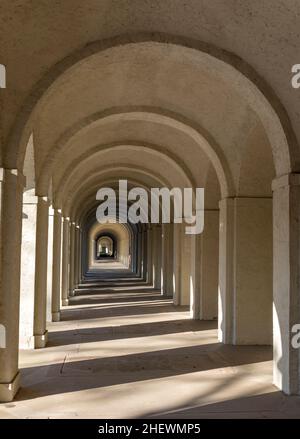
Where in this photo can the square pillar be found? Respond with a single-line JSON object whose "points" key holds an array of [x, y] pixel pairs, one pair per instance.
{"points": [[72, 258], [50, 264], [225, 292], [33, 333], [182, 264], [186, 279], [11, 191], [80, 260], [157, 251], [149, 255], [195, 276], [28, 268], [286, 282], [209, 266], [41, 265], [167, 260], [177, 271], [139, 253], [245, 271], [56, 265], [65, 262], [77, 257], [144, 254]]}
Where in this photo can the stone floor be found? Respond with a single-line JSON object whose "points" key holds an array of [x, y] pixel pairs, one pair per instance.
{"points": [[126, 353]]}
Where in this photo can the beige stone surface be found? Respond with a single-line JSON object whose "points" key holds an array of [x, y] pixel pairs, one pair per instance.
{"points": [[131, 353], [163, 94]]}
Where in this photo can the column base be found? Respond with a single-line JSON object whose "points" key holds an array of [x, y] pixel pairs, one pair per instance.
{"points": [[9, 390], [65, 302], [71, 293], [56, 316], [40, 341]]}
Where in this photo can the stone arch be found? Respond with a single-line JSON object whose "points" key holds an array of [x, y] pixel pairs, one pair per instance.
{"points": [[122, 234], [172, 158], [273, 117], [108, 242], [205, 140], [95, 179], [187, 179], [276, 122]]}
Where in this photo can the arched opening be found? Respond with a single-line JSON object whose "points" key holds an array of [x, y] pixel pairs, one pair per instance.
{"points": [[155, 134], [106, 247]]}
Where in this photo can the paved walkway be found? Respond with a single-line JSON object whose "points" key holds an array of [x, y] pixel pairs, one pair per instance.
{"points": [[125, 352]]}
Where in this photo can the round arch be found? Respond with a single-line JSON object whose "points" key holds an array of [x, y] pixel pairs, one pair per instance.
{"points": [[248, 82]]}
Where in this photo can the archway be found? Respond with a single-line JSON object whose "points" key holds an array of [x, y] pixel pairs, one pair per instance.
{"points": [[245, 202], [106, 247]]}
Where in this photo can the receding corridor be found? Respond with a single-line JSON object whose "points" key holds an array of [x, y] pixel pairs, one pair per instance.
{"points": [[126, 351], [149, 209]]}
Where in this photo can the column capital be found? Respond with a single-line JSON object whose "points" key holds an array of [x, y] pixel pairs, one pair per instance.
{"points": [[292, 179]]}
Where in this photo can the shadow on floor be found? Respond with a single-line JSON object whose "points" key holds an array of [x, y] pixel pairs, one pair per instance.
{"points": [[121, 284], [72, 376], [268, 405], [98, 312], [110, 295], [119, 347], [91, 335]]}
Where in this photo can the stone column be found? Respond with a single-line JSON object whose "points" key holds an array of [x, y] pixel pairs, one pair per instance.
{"points": [[186, 287], [50, 264], [28, 267], [72, 259], [149, 255], [2, 177], [182, 263], [140, 253], [167, 260], [153, 253], [12, 183], [286, 281], [134, 253], [177, 271], [245, 271], [144, 255], [225, 294], [34, 250], [208, 263], [56, 262], [40, 296], [80, 262], [65, 262], [76, 256], [156, 249], [195, 279]]}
